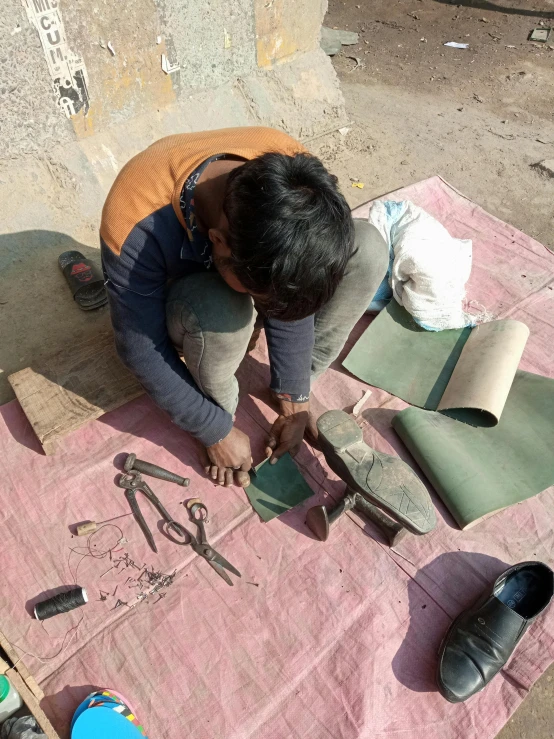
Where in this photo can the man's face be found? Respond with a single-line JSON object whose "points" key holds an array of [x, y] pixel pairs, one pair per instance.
{"points": [[221, 255]]}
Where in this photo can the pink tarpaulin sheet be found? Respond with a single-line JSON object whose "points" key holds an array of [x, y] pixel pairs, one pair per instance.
{"points": [[316, 640]]}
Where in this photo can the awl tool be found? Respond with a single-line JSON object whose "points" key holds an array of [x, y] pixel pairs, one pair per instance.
{"points": [[91, 526], [132, 464]]}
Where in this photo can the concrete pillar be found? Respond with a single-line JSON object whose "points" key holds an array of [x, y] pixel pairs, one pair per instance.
{"points": [[285, 28], [114, 70]]}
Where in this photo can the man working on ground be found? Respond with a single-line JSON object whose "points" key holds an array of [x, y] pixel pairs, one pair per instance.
{"points": [[202, 232]]}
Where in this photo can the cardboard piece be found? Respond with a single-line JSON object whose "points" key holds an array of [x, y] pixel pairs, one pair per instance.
{"points": [[73, 387]]}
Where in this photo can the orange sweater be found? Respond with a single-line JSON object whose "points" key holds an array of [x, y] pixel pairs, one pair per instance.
{"points": [[155, 177]]}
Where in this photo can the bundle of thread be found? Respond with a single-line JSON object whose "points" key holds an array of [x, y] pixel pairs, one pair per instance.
{"points": [[106, 713], [61, 603]]}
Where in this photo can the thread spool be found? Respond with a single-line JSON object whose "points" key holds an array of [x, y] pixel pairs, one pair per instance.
{"points": [[61, 603]]}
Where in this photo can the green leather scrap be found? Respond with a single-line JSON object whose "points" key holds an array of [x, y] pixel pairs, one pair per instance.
{"points": [[397, 355], [276, 488], [478, 471]]}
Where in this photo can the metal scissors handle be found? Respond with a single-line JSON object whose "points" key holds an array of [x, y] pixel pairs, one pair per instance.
{"points": [[199, 515]]}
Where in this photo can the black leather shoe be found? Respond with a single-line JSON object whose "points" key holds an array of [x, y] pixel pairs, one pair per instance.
{"points": [[481, 640]]}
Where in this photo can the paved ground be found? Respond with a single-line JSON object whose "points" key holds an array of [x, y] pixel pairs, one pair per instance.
{"points": [[481, 118]]}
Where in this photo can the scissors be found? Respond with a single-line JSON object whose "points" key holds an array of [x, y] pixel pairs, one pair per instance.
{"points": [[132, 482]]}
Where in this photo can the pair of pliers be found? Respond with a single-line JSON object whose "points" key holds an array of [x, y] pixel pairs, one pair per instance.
{"points": [[133, 482]]}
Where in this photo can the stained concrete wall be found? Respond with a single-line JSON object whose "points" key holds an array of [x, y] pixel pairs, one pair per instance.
{"points": [[240, 62], [215, 43]]}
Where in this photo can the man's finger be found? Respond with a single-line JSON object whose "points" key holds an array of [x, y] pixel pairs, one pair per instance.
{"points": [[221, 475], [228, 477], [274, 435], [278, 453], [213, 472], [272, 442]]}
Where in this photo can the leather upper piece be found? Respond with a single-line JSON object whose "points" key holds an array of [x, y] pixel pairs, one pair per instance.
{"points": [[483, 638]]}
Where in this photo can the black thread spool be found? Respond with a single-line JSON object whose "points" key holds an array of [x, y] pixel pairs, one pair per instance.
{"points": [[61, 603]]}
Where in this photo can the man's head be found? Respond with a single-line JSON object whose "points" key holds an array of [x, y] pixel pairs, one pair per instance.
{"points": [[286, 234]]}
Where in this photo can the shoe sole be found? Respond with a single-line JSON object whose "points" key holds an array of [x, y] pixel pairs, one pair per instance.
{"points": [[395, 488]]}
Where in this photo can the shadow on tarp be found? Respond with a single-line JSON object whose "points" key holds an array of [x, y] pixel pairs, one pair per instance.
{"points": [[19, 427], [464, 576], [61, 706]]}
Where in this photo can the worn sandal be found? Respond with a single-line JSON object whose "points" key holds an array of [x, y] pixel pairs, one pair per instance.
{"points": [[385, 481], [85, 280]]}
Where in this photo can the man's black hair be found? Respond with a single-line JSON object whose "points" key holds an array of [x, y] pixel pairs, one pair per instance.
{"points": [[291, 233]]}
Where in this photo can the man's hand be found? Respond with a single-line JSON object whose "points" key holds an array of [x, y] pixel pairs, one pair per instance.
{"points": [[230, 458], [287, 432]]}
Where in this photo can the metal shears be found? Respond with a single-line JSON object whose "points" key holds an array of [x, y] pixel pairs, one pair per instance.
{"points": [[132, 482]]}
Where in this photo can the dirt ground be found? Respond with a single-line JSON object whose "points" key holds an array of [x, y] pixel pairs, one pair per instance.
{"points": [[480, 117]]}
